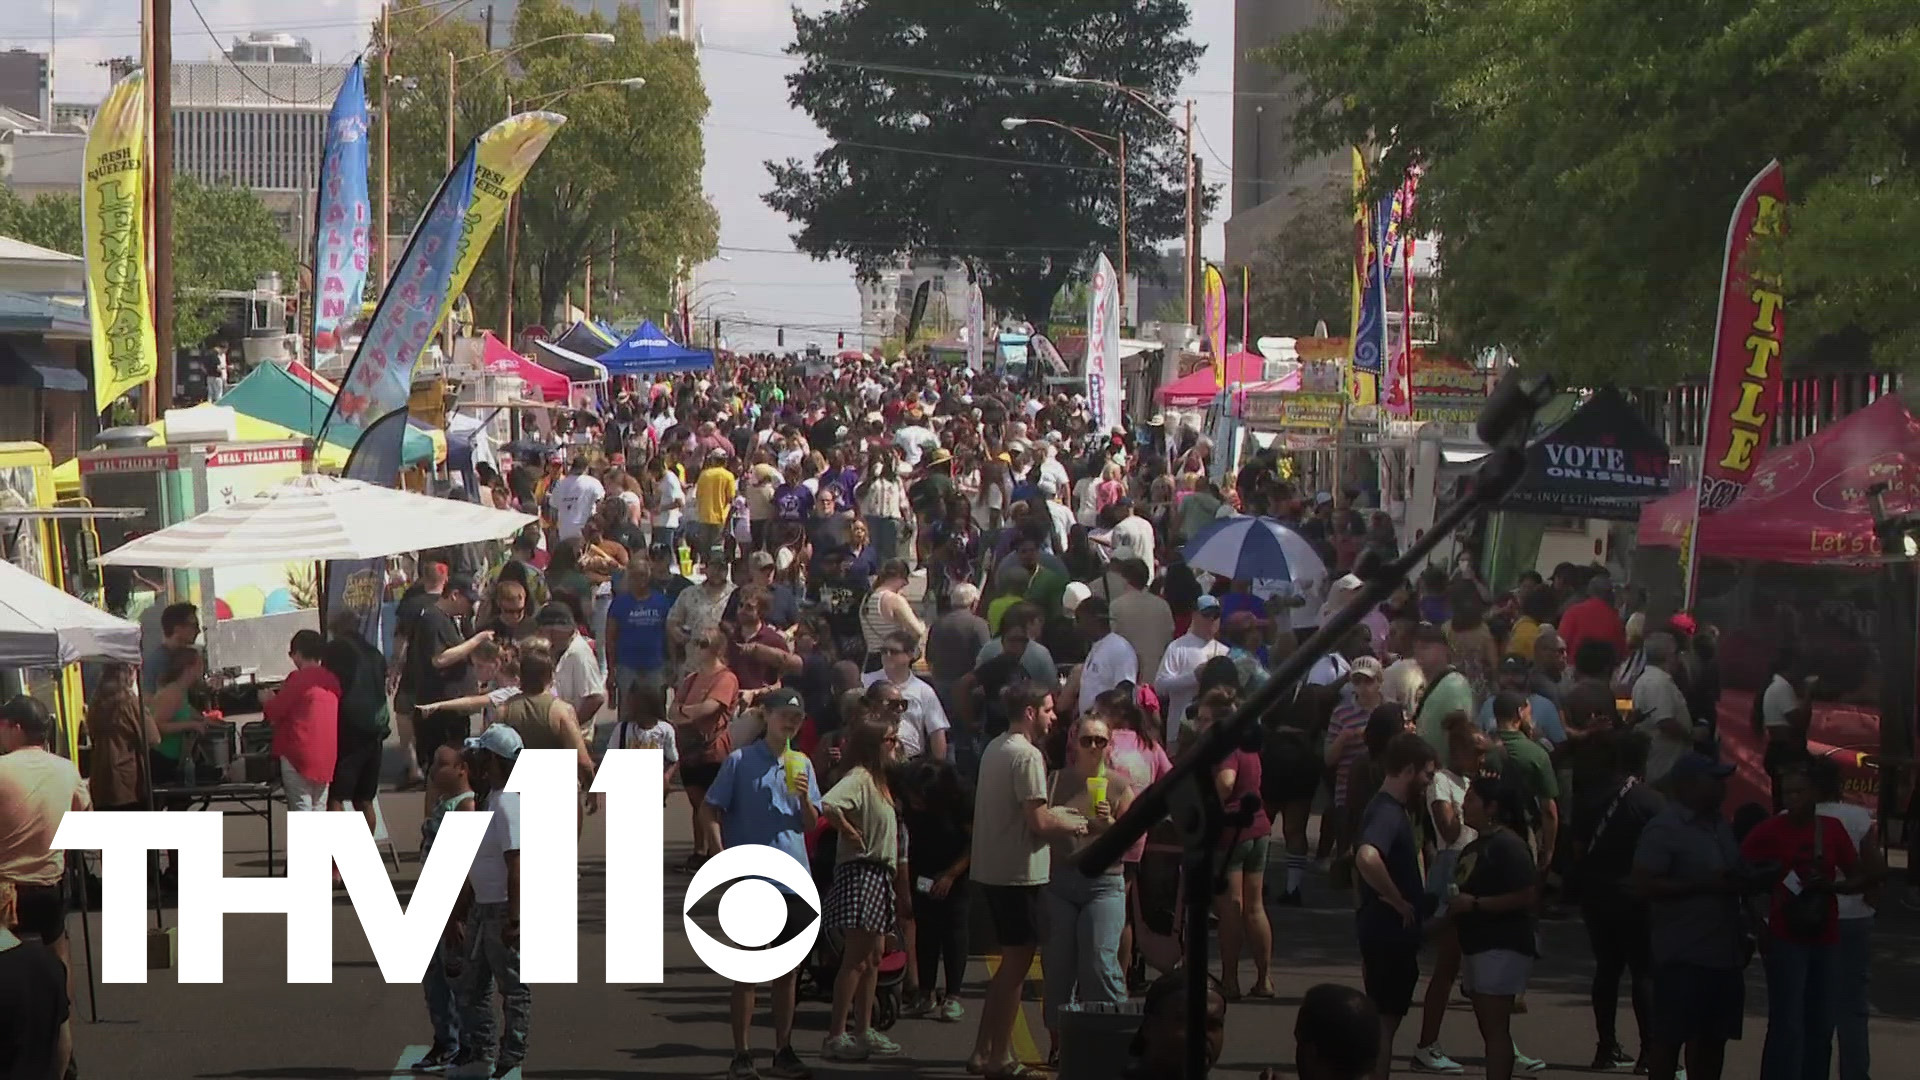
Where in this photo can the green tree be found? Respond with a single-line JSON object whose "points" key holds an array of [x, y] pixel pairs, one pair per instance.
{"points": [[1580, 161], [224, 238], [922, 167], [49, 221], [618, 188]]}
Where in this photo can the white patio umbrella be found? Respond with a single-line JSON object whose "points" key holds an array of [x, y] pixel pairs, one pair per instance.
{"points": [[41, 626], [314, 518]]}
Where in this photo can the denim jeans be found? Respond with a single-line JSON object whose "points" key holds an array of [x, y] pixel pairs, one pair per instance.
{"points": [[1799, 1010], [1080, 954], [1851, 968], [884, 533], [491, 962], [442, 1009]]}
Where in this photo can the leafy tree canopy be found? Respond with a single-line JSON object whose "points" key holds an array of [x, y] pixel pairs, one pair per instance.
{"points": [[922, 166], [619, 187], [224, 238], [1580, 162]]}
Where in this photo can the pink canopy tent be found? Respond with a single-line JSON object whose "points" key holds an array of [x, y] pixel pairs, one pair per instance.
{"points": [[1198, 388], [497, 359]]}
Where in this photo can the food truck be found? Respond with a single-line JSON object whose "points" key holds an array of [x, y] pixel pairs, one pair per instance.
{"points": [[249, 612], [49, 548]]}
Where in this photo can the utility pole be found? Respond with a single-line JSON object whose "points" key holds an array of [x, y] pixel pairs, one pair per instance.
{"points": [[1193, 207], [160, 93], [386, 130]]}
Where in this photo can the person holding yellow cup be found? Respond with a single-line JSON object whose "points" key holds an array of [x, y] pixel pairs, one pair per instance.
{"points": [[1081, 954]]}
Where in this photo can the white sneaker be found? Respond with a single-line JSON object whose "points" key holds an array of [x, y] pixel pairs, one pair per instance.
{"points": [[1527, 1065], [1432, 1059], [844, 1048], [879, 1045]]}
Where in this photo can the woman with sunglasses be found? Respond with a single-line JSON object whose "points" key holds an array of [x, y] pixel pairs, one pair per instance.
{"points": [[863, 902], [1085, 915], [702, 716]]}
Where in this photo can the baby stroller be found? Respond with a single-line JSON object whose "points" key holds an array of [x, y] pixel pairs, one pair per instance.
{"points": [[823, 966]]}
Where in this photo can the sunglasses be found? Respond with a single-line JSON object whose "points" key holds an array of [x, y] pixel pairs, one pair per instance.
{"points": [[1094, 742]]}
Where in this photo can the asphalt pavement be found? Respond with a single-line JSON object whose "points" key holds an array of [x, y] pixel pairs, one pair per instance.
{"points": [[256, 1027]]}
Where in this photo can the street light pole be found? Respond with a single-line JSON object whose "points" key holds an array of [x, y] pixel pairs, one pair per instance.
{"points": [[1122, 140], [1193, 208], [451, 62], [386, 131], [1118, 153]]}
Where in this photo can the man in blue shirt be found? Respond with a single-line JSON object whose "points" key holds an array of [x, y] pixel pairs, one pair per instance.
{"points": [[758, 804], [1517, 675], [637, 632]]}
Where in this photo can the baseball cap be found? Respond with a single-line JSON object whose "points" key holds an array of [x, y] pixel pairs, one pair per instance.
{"points": [[1209, 605], [782, 698], [1693, 766], [462, 585], [554, 614], [1076, 593], [1367, 667], [499, 740], [761, 560]]}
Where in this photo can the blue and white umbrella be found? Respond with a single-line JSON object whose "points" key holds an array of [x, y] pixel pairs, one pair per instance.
{"points": [[1254, 549]]}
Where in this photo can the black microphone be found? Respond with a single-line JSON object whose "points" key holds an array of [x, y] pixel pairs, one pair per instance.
{"points": [[1509, 410]]}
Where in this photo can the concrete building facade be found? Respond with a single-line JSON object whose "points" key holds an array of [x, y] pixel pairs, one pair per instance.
{"points": [[26, 82], [1268, 183]]}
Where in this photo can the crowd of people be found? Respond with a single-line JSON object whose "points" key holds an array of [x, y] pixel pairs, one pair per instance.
{"points": [[931, 634]]}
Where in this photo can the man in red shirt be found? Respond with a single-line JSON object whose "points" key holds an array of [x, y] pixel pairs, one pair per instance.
{"points": [[1594, 619], [305, 714]]}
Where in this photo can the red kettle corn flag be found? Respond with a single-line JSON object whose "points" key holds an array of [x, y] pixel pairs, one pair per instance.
{"points": [[1744, 387]]}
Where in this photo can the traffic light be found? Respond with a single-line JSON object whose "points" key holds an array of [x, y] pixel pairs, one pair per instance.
{"points": [[780, 337], [843, 341]]}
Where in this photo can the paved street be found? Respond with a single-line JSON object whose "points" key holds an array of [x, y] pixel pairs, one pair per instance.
{"points": [[255, 1026]]}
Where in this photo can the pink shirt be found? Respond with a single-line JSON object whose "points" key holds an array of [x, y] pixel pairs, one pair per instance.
{"points": [[1142, 766], [37, 789]]}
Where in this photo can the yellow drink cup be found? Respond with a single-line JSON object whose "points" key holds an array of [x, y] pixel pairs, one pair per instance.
{"points": [[795, 763], [1096, 789]]}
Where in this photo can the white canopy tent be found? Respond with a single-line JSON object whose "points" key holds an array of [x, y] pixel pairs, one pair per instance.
{"points": [[41, 626], [316, 518]]}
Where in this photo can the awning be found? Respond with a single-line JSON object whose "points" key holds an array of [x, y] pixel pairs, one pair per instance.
{"points": [[577, 368], [497, 359], [27, 362], [1601, 462]]}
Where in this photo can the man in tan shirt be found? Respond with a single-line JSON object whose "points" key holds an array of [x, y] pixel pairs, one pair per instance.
{"points": [[1143, 619]]}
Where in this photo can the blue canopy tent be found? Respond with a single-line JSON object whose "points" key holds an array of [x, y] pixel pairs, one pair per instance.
{"points": [[648, 351]]}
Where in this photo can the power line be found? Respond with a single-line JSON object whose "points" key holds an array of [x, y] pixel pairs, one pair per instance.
{"points": [[215, 38]]}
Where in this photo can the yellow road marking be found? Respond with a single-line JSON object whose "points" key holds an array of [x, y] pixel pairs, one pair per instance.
{"points": [[1022, 1045]]}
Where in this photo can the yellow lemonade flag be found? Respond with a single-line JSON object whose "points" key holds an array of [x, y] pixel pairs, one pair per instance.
{"points": [[502, 158], [113, 226]]}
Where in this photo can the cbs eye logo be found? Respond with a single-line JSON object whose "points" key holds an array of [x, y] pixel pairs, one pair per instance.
{"points": [[752, 912]]}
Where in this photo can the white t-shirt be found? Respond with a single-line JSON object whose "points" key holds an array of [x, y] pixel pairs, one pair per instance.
{"points": [[1328, 670], [670, 496], [1133, 539], [576, 677], [629, 735], [1657, 697], [923, 717], [1086, 501], [574, 498], [1858, 821], [1051, 469], [1450, 788], [1777, 702], [1178, 680], [488, 874], [1110, 662]]}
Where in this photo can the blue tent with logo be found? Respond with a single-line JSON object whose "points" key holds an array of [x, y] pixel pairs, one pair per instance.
{"points": [[648, 351]]}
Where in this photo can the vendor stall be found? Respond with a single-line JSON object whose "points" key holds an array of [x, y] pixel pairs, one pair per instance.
{"points": [[1794, 564], [648, 352]]}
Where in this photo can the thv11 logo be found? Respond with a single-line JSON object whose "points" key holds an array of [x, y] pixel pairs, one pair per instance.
{"points": [[403, 940]]}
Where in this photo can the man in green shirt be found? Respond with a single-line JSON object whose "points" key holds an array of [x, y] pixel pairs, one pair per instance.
{"points": [[1448, 691], [1525, 762]]}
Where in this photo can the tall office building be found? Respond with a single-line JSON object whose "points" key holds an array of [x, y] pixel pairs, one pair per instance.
{"points": [[1268, 185], [257, 120], [662, 18], [24, 82]]}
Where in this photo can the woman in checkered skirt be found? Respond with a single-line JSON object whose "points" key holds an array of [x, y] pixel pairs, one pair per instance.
{"points": [[862, 902]]}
